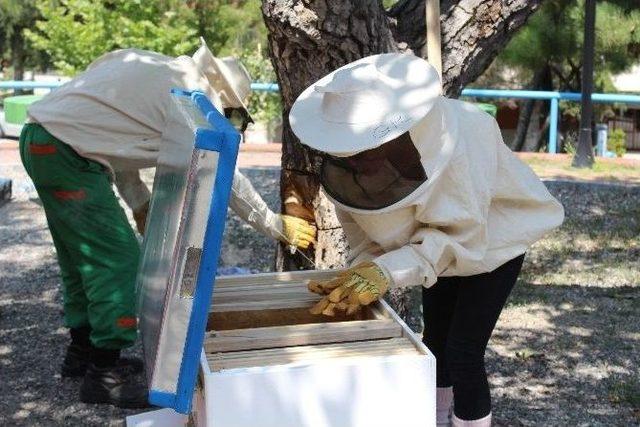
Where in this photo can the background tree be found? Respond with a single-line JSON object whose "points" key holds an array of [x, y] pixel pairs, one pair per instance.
{"points": [[311, 38], [76, 32], [547, 54], [236, 28], [15, 17]]}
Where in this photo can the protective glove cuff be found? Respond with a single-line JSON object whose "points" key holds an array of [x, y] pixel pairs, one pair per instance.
{"points": [[372, 271], [385, 272], [276, 227]]}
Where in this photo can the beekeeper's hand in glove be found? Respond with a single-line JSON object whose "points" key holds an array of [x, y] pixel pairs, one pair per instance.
{"points": [[353, 288], [296, 231]]}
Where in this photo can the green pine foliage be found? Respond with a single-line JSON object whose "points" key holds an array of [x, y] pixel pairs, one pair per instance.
{"points": [[554, 36], [76, 32], [15, 17]]}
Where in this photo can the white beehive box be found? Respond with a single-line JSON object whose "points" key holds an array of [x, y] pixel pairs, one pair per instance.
{"points": [[268, 362], [250, 353]]}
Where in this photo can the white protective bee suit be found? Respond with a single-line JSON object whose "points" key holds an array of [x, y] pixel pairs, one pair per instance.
{"points": [[477, 208], [116, 113]]}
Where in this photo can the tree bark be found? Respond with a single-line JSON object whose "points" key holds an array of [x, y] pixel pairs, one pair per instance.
{"points": [[310, 38], [473, 33], [524, 121], [532, 136], [307, 41]]}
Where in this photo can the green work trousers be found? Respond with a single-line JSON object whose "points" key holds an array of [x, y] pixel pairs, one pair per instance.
{"points": [[97, 248]]}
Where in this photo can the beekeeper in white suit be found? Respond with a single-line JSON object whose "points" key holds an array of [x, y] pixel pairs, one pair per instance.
{"points": [[428, 195], [102, 127]]}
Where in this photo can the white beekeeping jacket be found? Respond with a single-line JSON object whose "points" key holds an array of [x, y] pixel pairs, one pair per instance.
{"points": [[116, 112], [479, 207]]}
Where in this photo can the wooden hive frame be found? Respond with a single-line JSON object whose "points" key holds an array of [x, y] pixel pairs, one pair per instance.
{"points": [[271, 311]]}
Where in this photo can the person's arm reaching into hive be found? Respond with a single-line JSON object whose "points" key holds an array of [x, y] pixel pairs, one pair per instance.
{"points": [[248, 204]]}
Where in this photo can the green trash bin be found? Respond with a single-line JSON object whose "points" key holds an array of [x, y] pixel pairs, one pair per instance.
{"points": [[488, 108], [15, 108]]}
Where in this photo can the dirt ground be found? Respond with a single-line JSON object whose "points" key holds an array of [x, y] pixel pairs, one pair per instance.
{"points": [[566, 351]]}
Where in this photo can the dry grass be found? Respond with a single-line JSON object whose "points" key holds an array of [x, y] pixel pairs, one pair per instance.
{"points": [[558, 166], [598, 244]]}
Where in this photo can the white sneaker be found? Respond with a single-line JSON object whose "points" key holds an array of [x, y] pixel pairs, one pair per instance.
{"points": [[482, 422], [444, 406]]}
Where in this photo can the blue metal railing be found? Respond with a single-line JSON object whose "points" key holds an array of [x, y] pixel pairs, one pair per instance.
{"points": [[15, 84], [265, 87], [553, 97]]}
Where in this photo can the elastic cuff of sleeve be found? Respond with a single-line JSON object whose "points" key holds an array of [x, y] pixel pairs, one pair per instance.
{"points": [[139, 204], [406, 268], [136, 196], [275, 226], [386, 273]]}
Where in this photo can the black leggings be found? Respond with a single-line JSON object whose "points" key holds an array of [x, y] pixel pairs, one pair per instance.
{"points": [[459, 316]]}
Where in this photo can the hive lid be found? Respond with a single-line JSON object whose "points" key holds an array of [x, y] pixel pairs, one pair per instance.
{"points": [[182, 243]]}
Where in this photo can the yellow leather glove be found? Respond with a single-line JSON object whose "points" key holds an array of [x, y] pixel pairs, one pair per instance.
{"points": [[297, 231], [140, 217], [352, 289]]}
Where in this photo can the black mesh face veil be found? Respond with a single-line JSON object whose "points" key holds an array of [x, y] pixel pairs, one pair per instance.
{"points": [[374, 179], [239, 118]]}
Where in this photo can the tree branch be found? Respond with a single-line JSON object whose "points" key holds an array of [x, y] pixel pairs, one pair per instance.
{"points": [[473, 33], [566, 81]]}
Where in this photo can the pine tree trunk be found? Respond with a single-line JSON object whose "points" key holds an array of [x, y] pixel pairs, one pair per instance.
{"points": [[542, 80], [306, 42], [310, 38], [532, 136], [526, 111], [524, 121], [18, 57]]}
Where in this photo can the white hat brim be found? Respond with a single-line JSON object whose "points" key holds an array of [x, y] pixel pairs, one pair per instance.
{"points": [[236, 101], [411, 102], [212, 66]]}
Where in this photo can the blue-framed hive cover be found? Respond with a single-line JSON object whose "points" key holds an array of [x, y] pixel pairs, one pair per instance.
{"points": [[182, 244]]}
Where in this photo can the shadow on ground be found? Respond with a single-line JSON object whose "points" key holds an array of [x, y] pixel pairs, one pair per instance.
{"points": [[566, 350], [32, 338], [567, 355]]}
